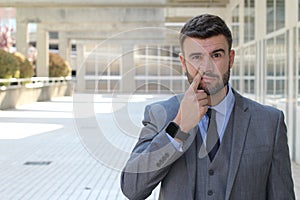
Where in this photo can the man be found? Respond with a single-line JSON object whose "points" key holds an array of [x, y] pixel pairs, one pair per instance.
{"points": [[236, 151]]}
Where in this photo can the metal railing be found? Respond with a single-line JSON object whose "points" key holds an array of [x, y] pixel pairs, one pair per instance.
{"points": [[34, 82]]}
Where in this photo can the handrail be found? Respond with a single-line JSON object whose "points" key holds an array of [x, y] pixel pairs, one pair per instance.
{"points": [[33, 82]]}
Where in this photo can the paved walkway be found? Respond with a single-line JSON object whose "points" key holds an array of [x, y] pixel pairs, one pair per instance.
{"points": [[50, 150]]}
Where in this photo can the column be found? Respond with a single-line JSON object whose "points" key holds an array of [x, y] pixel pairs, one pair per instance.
{"points": [[22, 38], [127, 69], [260, 33], [291, 10], [64, 46], [42, 68], [241, 42], [80, 67]]}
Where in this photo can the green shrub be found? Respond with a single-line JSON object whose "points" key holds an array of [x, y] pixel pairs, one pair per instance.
{"points": [[58, 66], [9, 66], [26, 68]]}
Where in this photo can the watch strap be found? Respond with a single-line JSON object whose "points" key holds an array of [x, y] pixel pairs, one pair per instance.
{"points": [[182, 135], [174, 131]]}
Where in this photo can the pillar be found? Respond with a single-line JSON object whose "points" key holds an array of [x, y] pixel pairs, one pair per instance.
{"points": [[260, 33], [64, 46], [291, 10], [42, 68], [80, 67], [127, 69], [22, 38]]}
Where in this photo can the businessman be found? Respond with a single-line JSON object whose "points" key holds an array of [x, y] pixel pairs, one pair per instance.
{"points": [[210, 142]]}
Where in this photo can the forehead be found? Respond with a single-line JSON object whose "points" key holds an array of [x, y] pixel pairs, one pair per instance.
{"points": [[205, 45]]}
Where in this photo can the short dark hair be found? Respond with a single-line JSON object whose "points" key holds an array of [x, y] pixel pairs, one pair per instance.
{"points": [[205, 26]]}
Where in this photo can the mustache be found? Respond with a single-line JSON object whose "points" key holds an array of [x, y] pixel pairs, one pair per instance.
{"points": [[211, 75]]}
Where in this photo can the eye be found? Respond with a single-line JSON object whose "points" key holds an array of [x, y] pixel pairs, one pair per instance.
{"points": [[217, 55], [195, 57]]}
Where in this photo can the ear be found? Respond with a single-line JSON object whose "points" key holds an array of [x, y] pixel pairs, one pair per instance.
{"points": [[183, 61], [231, 58]]}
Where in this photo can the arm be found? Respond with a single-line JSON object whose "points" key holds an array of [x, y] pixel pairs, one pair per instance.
{"points": [[280, 183], [151, 158], [154, 153]]}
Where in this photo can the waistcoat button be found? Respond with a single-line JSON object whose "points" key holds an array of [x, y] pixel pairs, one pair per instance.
{"points": [[211, 172], [210, 192]]}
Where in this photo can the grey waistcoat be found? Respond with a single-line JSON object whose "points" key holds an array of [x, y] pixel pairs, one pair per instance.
{"points": [[212, 176]]}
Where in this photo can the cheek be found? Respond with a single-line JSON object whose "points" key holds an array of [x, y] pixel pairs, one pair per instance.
{"points": [[192, 70], [191, 67], [222, 67]]}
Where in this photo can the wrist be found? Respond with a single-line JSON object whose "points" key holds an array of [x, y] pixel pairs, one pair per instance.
{"points": [[174, 130], [182, 127]]}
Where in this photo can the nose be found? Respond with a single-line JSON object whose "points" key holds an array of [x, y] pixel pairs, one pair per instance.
{"points": [[206, 64]]}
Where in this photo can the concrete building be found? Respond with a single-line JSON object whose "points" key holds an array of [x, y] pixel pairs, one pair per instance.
{"points": [[131, 46]]}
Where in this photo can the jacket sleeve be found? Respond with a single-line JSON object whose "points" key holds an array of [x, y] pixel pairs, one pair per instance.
{"points": [[150, 159], [152, 156], [280, 183]]}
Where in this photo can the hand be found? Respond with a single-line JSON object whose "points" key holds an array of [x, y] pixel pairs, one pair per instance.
{"points": [[193, 106]]}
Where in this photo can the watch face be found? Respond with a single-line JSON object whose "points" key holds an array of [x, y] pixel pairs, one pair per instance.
{"points": [[172, 129]]}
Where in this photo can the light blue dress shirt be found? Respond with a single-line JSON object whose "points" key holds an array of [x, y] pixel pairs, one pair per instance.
{"points": [[223, 112]]}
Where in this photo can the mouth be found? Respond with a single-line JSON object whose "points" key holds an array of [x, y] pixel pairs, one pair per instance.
{"points": [[209, 77]]}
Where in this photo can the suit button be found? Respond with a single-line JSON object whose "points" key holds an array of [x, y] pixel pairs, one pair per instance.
{"points": [[210, 192], [211, 172]]}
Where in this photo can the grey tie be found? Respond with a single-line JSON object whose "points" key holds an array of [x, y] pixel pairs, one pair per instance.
{"points": [[212, 137]]}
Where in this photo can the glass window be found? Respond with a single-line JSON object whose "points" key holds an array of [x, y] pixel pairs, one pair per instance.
{"points": [[276, 66], [249, 20], [275, 15], [235, 71], [270, 57], [235, 26], [158, 69], [280, 14], [298, 10], [270, 16], [298, 56], [249, 68]]}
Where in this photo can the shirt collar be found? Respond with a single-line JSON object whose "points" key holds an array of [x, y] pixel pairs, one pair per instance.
{"points": [[229, 99]]}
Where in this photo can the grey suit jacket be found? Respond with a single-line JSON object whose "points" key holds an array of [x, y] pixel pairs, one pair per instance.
{"points": [[260, 167]]}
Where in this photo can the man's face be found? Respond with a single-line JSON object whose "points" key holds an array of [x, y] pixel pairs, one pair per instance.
{"points": [[212, 57]]}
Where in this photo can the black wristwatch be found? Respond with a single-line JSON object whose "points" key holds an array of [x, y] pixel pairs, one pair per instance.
{"points": [[174, 131]]}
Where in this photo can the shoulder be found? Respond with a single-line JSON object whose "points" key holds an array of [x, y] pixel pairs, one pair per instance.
{"points": [[162, 112], [255, 107], [168, 104]]}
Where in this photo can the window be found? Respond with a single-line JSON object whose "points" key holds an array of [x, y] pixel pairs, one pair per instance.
{"points": [[249, 20], [235, 77], [276, 66], [236, 26], [275, 15], [298, 56], [249, 68], [103, 68], [158, 69], [298, 10]]}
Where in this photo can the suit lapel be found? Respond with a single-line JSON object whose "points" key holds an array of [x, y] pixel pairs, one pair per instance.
{"points": [[241, 119]]}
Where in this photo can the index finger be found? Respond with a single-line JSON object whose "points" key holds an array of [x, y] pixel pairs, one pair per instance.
{"points": [[197, 80]]}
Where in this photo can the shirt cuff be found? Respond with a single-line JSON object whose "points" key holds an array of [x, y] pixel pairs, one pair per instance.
{"points": [[175, 143]]}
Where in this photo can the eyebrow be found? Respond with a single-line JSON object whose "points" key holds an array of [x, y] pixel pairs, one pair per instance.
{"points": [[200, 53], [217, 50]]}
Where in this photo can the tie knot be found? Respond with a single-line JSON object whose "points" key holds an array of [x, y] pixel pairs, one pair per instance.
{"points": [[209, 112]]}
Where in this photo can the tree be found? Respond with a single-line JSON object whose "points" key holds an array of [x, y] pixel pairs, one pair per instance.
{"points": [[6, 39], [58, 66]]}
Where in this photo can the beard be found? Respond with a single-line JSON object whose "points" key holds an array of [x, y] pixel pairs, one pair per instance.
{"points": [[215, 88]]}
